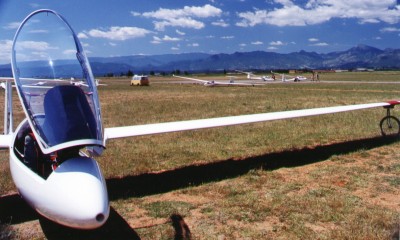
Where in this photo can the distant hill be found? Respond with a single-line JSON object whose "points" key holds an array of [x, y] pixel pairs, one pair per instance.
{"points": [[5, 70], [361, 56]]}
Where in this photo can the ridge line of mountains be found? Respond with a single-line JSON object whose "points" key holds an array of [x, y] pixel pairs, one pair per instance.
{"points": [[361, 56]]}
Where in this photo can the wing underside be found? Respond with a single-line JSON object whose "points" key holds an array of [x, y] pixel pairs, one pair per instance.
{"points": [[139, 130]]}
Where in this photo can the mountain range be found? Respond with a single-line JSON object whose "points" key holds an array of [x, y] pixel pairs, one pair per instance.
{"points": [[361, 56]]}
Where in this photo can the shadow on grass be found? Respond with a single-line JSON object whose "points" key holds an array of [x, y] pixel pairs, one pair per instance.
{"points": [[155, 183], [115, 228], [14, 210]]}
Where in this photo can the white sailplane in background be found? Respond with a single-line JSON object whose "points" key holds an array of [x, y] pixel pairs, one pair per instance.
{"points": [[252, 76], [288, 78], [83, 83], [36, 82], [47, 165], [213, 83]]}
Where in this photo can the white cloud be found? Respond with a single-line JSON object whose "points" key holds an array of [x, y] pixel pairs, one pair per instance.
{"points": [[287, 3], [200, 12], [193, 45], [180, 33], [320, 11], [34, 45], [316, 42], [12, 25], [5, 53], [220, 23], [390, 29], [272, 48], [276, 43], [82, 35], [156, 40], [227, 37], [184, 17], [27, 50], [69, 52], [257, 43], [119, 33], [135, 14], [178, 22], [167, 38], [320, 44], [369, 20], [250, 19]]}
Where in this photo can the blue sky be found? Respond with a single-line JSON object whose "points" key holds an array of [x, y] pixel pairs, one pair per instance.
{"points": [[131, 27]]}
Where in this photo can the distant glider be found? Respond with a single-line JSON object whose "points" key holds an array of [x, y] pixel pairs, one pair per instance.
{"points": [[212, 83], [288, 78], [253, 76]]}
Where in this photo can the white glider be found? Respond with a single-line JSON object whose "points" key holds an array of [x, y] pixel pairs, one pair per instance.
{"points": [[213, 83], [253, 76], [50, 172]]}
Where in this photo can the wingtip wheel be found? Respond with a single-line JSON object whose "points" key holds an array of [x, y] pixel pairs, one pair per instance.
{"points": [[390, 125]]}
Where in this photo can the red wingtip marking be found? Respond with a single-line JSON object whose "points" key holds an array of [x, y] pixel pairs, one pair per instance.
{"points": [[393, 102]]}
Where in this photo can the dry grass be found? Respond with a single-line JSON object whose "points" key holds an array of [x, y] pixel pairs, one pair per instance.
{"points": [[326, 177]]}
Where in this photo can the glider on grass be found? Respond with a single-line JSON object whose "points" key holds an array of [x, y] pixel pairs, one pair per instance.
{"points": [[52, 150], [252, 76], [288, 78], [213, 83]]}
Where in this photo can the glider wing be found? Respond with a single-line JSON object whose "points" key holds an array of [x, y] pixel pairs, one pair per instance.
{"points": [[158, 128]]}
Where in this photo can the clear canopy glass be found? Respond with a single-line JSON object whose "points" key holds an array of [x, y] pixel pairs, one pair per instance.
{"points": [[55, 83]]}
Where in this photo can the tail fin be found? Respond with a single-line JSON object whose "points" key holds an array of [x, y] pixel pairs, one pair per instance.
{"points": [[5, 139], [8, 121]]}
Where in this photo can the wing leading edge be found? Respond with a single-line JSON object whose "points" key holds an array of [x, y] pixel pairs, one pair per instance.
{"points": [[158, 128]]}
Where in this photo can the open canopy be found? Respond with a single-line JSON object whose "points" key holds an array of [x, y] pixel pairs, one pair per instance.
{"points": [[55, 83]]}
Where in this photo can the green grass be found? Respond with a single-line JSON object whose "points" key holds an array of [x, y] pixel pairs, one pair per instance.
{"points": [[167, 208], [256, 181], [160, 103]]}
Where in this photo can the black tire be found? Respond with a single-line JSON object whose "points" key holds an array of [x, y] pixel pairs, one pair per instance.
{"points": [[390, 126]]}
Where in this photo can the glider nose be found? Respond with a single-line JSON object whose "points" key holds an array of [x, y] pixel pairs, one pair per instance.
{"points": [[79, 194]]}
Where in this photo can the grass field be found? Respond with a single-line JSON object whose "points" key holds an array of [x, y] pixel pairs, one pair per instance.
{"points": [[325, 177]]}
